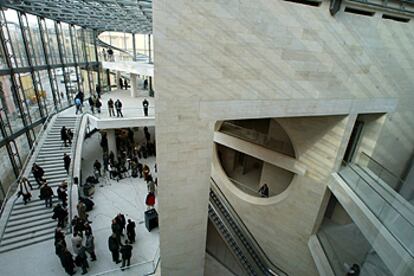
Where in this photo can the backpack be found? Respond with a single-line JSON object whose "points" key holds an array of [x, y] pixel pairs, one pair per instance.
{"points": [[77, 102]]}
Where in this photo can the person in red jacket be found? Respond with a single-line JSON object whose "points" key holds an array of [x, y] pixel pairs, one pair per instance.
{"points": [[150, 200]]}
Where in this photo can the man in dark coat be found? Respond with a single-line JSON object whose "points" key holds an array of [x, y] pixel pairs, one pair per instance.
{"points": [[114, 248], [64, 135], [66, 162], [67, 262], [131, 231], [111, 107], [120, 220], [46, 193], [117, 230], [145, 104], [126, 251], [38, 173], [118, 107], [60, 214]]}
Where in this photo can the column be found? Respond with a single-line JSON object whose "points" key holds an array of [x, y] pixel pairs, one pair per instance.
{"points": [[118, 76], [110, 135], [134, 86]]}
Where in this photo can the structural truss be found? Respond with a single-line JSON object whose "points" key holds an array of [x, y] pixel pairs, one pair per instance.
{"points": [[132, 16]]}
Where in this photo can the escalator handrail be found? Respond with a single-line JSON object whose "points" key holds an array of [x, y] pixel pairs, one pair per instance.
{"points": [[272, 268]]}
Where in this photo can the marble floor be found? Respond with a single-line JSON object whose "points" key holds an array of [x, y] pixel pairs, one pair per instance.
{"points": [[110, 197]]}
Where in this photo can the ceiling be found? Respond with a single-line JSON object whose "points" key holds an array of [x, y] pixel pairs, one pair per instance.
{"points": [[132, 16]]}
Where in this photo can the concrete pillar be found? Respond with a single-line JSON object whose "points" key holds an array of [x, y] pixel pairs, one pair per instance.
{"points": [[134, 85], [117, 77], [110, 135]]}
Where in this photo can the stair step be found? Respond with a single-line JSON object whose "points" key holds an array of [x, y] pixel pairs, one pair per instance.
{"points": [[17, 245], [43, 217], [41, 212], [33, 202], [28, 209], [28, 237], [11, 229], [30, 230]]}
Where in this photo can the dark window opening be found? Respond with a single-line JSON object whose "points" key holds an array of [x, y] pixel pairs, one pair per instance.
{"points": [[306, 2], [360, 12], [395, 18]]}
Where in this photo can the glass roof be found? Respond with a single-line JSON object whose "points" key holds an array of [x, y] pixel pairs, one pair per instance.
{"points": [[133, 16]]}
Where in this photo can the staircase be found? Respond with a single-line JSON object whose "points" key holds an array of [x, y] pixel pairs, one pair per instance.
{"points": [[32, 223]]}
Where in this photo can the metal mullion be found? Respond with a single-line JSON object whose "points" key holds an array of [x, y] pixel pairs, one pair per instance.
{"points": [[14, 84], [29, 56], [41, 22], [26, 112], [74, 55], [61, 54], [95, 34], [86, 59], [36, 81]]}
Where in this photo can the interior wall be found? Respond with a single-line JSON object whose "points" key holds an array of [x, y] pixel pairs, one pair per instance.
{"points": [[216, 246], [277, 179], [236, 52]]}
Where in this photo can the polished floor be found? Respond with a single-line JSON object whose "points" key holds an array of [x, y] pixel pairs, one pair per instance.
{"points": [[126, 196]]}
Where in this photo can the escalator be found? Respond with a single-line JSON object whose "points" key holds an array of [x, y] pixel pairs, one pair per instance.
{"points": [[238, 238]]}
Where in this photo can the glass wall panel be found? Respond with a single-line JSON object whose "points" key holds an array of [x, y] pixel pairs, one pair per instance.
{"points": [[10, 104], [72, 81], [78, 37], [65, 34], [85, 83], [39, 55], [16, 37], [90, 46], [52, 42], [47, 93], [7, 175], [3, 63], [30, 96]]}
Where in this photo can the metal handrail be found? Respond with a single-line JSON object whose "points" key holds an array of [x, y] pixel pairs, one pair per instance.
{"points": [[271, 267], [347, 165], [11, 188], [400, 180]]}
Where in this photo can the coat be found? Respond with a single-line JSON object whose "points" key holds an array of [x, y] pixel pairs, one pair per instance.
{"points": [[113, 244], [67, 260], [90, 243], [126, 251], [76, 243], [46, 192]]}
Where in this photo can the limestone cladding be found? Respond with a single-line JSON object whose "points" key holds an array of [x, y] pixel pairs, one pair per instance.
{"points": [[235, 52]]}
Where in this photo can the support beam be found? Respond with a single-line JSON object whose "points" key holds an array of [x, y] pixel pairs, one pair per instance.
{"points": [[260, 152]]}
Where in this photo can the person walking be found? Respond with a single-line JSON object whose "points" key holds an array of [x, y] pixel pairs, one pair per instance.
{"points": [[111, 107], [150, 184], [81, 207], [118, 107], [61, 193], [38, 173], [110, 54], [131, 231], [98, 105], [145, 84], [24, 186], [145, 104], [66, 162], [126, 252], [70, 136], [91, 102], [64, 136], [125, 84], [90, 245], [60, 214], [46, 193], [81, 259], [78, 105], [150, 201], [67, 262], [120, 220], [114, 248]]}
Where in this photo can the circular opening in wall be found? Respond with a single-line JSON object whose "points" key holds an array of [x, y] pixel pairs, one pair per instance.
{"points": [[247, 172]]}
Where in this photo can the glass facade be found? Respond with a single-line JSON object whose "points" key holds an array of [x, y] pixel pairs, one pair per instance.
{"points": [[43, 65]]}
